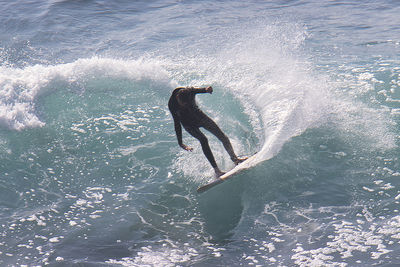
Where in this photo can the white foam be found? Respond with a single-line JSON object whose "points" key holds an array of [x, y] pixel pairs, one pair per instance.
{"points": [[165, 256], [21, 87]]}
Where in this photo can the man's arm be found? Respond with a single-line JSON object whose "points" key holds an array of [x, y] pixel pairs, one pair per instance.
{"points": [[199, 90], [178, 131], [172, 105]]}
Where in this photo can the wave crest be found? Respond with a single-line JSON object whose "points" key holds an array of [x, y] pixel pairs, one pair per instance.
{"points": [[21, 87]]}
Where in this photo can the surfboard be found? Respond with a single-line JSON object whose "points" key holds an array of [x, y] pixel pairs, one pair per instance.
{"points": [[242, 166]]}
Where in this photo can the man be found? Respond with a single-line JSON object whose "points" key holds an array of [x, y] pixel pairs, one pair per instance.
{"points": [[185, 111]]}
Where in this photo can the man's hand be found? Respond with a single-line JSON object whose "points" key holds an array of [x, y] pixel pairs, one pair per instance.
{"points": [[209, 89], [187, 148]]}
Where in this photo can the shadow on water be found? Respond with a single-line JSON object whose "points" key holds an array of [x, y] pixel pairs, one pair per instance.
{"points": [[222, 207]]}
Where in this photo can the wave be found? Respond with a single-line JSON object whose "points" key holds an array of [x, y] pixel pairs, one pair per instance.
{"points": [[22, 87]]}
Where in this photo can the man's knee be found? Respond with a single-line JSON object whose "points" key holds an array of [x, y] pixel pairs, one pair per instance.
{"points": [[203, 140], [215, 130], [224, 137]]}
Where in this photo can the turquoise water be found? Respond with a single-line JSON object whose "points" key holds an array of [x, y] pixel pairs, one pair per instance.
{"points": [[90, 170]]}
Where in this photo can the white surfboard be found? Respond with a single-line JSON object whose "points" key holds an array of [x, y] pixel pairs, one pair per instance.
{"points": [[242, 166]]}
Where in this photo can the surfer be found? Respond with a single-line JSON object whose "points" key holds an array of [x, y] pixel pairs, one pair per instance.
{"points": [[185, 111]]}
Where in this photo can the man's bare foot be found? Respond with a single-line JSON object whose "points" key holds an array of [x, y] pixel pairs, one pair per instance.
{"points": [[240, 160]]}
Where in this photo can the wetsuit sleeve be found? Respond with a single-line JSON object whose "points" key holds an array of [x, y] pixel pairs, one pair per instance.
{"points": [[195, 90], [191, 90], [178, 129], [172, 105]]}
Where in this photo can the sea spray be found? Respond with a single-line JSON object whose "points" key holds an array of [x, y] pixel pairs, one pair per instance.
{"points": [[265, 68]]}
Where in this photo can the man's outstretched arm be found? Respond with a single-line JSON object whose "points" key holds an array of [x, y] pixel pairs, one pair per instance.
{"points": [[199, 90]]}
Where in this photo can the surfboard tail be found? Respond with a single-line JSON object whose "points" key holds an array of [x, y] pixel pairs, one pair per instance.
{"points": [[203, 188]]}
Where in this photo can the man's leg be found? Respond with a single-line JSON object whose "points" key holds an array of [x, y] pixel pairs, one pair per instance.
{"points": [[196, 133], [212, 127]]}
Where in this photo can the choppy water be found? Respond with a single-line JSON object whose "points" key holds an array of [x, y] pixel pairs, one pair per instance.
{"points": [[90, 170]]}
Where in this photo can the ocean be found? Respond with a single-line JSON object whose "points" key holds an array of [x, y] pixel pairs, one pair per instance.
{"points": [[91, 173]]}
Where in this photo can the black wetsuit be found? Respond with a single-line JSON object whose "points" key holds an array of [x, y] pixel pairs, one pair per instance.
{"points": [[185, 111]]}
